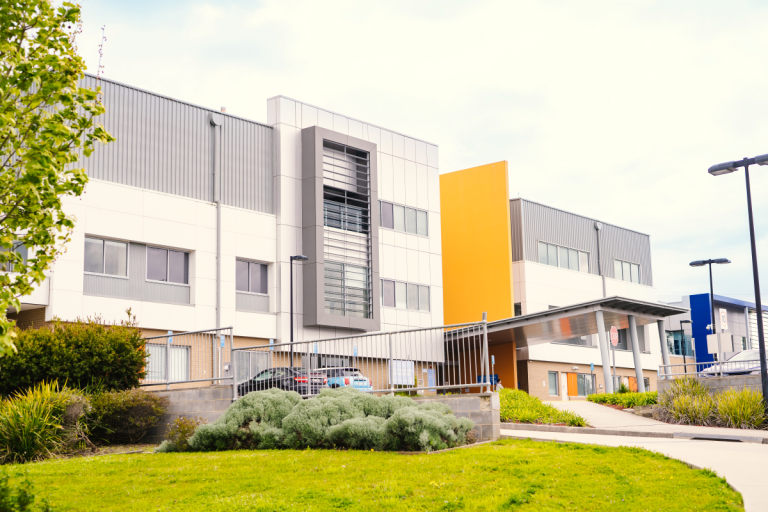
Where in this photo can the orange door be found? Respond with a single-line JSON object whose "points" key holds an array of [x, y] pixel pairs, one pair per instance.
{"points": [[633, 384], [573, 387]]}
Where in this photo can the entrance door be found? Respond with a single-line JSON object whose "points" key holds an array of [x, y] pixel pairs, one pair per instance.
{"points": [[573, 384], [633, 384]]}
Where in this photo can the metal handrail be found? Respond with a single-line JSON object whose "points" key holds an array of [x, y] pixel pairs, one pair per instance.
{"points": [[186, 332], [700, 369]]}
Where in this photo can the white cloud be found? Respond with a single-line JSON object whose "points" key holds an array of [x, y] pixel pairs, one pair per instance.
{"points": [[609, 109]]}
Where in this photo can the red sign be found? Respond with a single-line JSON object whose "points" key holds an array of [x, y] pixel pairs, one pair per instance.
{"points": [[614, 335]]}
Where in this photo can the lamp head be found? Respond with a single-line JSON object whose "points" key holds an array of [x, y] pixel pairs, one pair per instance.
{"points": [[724, 168], [299, 257], [761, 160], [721, 261], [698, 263], [685, 322]]}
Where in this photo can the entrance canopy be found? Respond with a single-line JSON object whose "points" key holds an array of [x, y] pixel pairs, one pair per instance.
{"points": [[576, 320]]}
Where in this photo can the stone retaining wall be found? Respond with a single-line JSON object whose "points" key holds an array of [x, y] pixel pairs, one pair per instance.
{"points": [[208, 402], [717, 384], [482, 408]]}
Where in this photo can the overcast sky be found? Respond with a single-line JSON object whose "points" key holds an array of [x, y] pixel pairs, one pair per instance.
{"points": [[610, 109]]}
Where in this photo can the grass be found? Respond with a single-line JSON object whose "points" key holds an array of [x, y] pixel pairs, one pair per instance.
{"points": [[506, 475], [519, 407]]}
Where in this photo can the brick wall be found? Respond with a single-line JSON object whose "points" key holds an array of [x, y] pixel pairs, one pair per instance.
{"points": [[208, 402], [482, 408], [29, 318], [717, 384]]}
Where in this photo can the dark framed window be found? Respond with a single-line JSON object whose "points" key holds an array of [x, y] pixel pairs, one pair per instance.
{"points": [[19, 249], [107, 257], [402, 218], [251, 277], [167, 266], [396, 294]]}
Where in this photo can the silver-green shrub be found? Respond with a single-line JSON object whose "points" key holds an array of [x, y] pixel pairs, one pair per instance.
{"points": [[238, 427], [342, 418], [425, 428]]}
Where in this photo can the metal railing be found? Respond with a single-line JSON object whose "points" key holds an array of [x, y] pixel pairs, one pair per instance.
{"points": [[709, 369], [196, 356], [431, 360]]}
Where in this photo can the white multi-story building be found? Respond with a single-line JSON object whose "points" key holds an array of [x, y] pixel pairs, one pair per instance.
{"points": [[191, 217]]}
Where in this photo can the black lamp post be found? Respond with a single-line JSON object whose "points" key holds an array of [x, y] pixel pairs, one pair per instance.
{"points": [[725, 168], [299, 257], [701, 263]]}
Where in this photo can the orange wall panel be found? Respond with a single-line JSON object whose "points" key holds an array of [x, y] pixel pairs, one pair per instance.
{"points": [[477, 244]]}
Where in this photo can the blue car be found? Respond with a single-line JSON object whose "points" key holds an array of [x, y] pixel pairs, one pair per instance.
{"points": [[347, 376]]}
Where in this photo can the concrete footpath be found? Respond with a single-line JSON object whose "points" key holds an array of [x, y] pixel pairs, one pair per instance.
{"points": [[739, 463], [602, 417]]}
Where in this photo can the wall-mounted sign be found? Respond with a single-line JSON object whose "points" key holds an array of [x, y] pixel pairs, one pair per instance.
{"points": [[723, 319]]}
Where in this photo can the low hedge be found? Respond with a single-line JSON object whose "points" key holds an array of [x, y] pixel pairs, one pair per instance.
{"points": [[337, 418], [80, 354], [627, 400], [124, 416], [517, 406]]}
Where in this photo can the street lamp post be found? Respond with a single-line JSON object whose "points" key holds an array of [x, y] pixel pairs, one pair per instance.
{"points": [[299, 257], [725, 168], [701, 263]]}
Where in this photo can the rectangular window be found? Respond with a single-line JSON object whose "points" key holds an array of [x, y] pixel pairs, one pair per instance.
{"points": [[413, 296], [400, 295], [106, 257], [647, 383], [421, 223], [583, 261], [563, 257], [552, 252], [346, 290], [19, 249], [573, 259], [424, 298], [617, 270], [399, 217], [388, 293], [625, 270], [167, 266], [387, 219], [518, 309], [553, 388], [584, 384], [543, 253], [635, 273], [251, 277], [410, 220]]}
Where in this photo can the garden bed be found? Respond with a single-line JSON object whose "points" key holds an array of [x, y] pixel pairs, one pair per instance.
{"points": [[517, 406], [505, 475]]}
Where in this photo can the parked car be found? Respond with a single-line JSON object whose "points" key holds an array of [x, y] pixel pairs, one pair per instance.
{"points": [[347, 376], [287, 379], [746, 362]]}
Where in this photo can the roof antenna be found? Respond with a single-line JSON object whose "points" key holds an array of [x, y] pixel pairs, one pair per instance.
{"points": [[101, 48]]}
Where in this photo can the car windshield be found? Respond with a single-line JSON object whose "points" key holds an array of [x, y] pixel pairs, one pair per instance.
{"points": [[746, 355], [351, 372]]}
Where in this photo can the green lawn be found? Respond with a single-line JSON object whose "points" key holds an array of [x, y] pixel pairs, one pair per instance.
{"points": [[507, 475]]}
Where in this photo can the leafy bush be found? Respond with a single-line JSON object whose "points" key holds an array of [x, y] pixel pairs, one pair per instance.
{"points": [[125, 416], [627, 400], [19, 498], [740, 409], [520, 407], [693, 410], [685, 409], [344, 418], [41, 422], [78, 353], [622, 388], [177, 436]]}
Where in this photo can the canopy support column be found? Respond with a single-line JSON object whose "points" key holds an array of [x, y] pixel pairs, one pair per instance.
{"points": [[664, 350], [636, 353], [604, 356]]}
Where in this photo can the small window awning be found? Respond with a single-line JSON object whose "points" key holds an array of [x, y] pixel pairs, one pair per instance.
{"points": [[576, 320]]}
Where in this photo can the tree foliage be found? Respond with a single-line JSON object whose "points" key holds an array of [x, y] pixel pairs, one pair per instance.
{"points": [[46, 126]]}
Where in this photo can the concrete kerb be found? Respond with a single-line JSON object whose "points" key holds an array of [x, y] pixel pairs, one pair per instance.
{"points": [[630, 433]]}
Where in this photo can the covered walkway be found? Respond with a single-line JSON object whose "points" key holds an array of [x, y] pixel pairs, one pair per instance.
{"points": [[584, 319]]}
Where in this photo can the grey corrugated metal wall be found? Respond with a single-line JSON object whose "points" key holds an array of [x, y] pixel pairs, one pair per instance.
{"points": [[167, 145], [136, 286], [534, 222]]}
